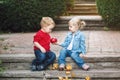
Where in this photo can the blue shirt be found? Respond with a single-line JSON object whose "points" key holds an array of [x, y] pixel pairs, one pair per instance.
{"points": [[78, 42]]}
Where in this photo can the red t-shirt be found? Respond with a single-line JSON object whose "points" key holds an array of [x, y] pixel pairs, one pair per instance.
{"points": [[43, 39]]}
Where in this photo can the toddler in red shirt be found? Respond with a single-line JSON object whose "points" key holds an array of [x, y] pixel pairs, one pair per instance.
{"points": [[44, 56]]}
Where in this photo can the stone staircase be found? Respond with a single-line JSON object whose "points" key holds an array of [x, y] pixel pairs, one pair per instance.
{"points": [[87, 11], [84, 9], [103, 67], [92, 22]]}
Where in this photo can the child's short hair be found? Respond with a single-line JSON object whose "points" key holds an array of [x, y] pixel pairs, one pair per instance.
{"points": [[47, 21], [77, 20]]}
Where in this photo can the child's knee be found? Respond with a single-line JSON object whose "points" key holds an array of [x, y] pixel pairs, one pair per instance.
{"points": [[63, 51], [53, 56], [41, 58], [73, 56]]}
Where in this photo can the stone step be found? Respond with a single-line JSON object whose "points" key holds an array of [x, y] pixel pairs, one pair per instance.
{"points": [[23, 61], [84, 9], [86, 18], [93, 65], [84, 5], [91, 22], [83, 13], [83, 17], [95, 74], [90, 57], [88, 26], [85, 1]]}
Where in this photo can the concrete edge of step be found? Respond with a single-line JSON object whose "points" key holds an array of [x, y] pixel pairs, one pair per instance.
{"points": [[87, 25], [20, 58], [82, 17], [93, 73], [25, 55], [87, 4]]}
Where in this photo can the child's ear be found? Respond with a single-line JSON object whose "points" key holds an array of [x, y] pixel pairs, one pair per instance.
{"points": [[79, 24], [83, 24]]}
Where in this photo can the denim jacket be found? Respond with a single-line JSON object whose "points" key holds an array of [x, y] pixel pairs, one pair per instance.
{"points": [[78, 42]]}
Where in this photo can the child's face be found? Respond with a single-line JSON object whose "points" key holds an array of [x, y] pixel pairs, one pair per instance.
{"points": [[49, 28], [73, 27]]}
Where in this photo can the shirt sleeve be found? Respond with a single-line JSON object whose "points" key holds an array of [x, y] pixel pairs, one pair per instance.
{"points": [[82, 44], [37, 38], [65, 43]]}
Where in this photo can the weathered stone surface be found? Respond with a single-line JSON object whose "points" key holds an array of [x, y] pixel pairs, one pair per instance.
{"points": [[93, 73]]}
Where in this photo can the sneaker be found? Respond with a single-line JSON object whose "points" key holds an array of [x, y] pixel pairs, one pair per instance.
{"points": [[61, 67], [40, 67], [33, 68], [85, 67]]}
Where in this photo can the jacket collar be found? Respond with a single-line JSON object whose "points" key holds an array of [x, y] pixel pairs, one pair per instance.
{"points": [[75, 32]]}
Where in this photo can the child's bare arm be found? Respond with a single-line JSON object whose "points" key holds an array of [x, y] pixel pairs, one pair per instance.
{"points": [[40, 47], [57, 43]]}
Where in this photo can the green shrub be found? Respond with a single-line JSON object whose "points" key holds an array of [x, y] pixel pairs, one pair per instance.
{"points": [[69, 4], [25, 15], [110, 12], [2, 14], [1, 67]]}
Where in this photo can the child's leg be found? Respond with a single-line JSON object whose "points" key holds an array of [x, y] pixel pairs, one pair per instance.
{"points": [[40, 57], [34, 62], [61, 60], [33, 65], [50, 58], [77, 59], [80, 62], [62, 56]]}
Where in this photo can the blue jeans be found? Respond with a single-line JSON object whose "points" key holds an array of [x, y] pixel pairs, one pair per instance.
{"points": [[67, 53], [43, 58]]}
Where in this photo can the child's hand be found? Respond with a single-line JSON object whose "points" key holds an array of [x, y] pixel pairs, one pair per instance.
{"points": [[43, 50], [56, 43], [40, 47], [53, 40], [82, 55]]}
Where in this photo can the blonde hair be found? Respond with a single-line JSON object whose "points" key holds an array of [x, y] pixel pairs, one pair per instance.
{"points": [[81, 24], [46, 21]]}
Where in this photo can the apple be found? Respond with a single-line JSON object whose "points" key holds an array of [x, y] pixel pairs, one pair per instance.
{"points": [[55, 66], [87, 78], [53, 40], [68, 67]]}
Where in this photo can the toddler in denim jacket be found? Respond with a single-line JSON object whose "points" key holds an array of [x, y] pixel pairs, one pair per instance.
{"points": [[73, 45]]}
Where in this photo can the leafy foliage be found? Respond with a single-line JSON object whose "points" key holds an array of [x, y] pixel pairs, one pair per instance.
{"points": [[1, 67], [25, 15], [69, 6], [110, 11]]}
